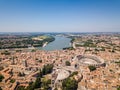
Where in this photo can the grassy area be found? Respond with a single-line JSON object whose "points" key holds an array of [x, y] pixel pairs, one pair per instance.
{"points": [[24, 42], [41, 38]]}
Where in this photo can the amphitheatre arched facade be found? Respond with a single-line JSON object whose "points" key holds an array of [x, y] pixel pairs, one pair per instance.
{"points": [[88, 60]]}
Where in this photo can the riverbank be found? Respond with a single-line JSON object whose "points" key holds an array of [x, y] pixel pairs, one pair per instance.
{"points": [[24, 41], [59, 43], [50, 43], [45, 44]]}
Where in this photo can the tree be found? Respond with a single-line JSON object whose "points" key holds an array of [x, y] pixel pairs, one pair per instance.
{"points": [[6, 53], [92, 68], [21, 74], [69, 84], [34, 85], [12, 80], [20, 88], [40, 61], [67, 63], [47, 69], [118, 88], [0, 88], [37, 83], [1, 68], [30, 87], [74, 73], [46, 84], [39, 74], [1, 77]]}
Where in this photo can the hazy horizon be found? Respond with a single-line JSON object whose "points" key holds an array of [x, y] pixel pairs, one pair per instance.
{"points": [[59, 16]]}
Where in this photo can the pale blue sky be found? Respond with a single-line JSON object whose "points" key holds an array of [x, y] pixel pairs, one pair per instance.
{"points": [[59, 15]]}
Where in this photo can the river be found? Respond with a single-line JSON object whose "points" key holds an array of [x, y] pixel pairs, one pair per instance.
{"points": [[59, 43]]}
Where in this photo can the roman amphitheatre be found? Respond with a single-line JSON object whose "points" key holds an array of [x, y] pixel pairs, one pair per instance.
{"points": [[89, 60]]}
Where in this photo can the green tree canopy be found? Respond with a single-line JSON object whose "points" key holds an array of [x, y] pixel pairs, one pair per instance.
{"points": [[47, 69], [70, 84], [1, 77], [92, 68], [118, 88], [67, 63]]}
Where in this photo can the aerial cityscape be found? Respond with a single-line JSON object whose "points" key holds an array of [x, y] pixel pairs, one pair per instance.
{"points": [[59, 45], [90, 60]]}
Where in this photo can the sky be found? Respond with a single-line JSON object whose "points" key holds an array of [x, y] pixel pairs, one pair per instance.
{"points": [[59, 15]]}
